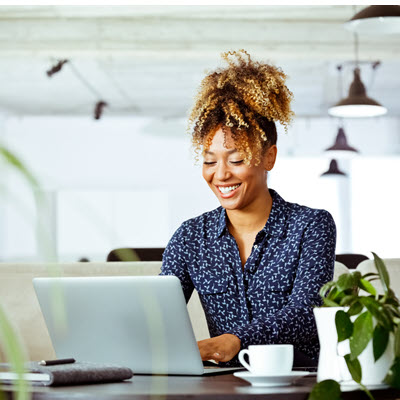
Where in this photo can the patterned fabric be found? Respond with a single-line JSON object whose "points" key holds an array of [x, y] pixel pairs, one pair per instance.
{"points": [[271, 299]]}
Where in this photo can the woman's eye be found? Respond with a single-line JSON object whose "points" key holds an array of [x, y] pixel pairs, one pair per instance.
{"points": [[237, 162], [209, 162]]}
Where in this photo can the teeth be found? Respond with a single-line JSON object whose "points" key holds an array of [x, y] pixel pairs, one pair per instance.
{"points": [[228, 189]]}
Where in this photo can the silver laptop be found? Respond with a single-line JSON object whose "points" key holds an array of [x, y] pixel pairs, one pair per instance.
{"points": [[138, 322]]}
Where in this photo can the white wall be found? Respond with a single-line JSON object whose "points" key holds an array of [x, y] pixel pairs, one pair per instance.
{"points": [[132, 181]]}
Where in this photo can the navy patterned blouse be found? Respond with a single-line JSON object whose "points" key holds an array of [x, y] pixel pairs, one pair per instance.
{"points": [[270, 300]]}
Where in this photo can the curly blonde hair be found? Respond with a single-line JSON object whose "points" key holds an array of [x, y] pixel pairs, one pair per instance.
{"points": [[247, 97]]}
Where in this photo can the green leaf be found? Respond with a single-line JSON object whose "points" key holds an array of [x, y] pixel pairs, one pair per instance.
{"points": [[328, 389], [382, 271], [391, 294], [14, 354], [392, 310], [367, 286], [348, 281], [374, 274], [380, 341], [362, 334], [347, 300], [13, 160], [333, 293], [393, 376], [355, 309], [344, 327], [386, 319], [371, 304], [392, 301], [397, 343], [330, 303], [325, 288], [375, 308], [354, 367]]}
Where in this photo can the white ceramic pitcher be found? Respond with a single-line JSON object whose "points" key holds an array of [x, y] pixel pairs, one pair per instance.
{"points": [[331, 364]]}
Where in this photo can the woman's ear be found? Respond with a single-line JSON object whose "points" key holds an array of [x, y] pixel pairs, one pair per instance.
{"points": [[270, 157]]}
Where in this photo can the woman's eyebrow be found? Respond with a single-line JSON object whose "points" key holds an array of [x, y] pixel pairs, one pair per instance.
{"points": [[228, 152]]}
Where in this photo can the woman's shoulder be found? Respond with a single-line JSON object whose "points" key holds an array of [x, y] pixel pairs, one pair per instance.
{"points": [[301, 211], [299, 214], [314, 219], [201, 223]]}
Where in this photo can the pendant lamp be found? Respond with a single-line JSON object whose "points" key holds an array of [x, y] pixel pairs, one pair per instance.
{"points": [[383, 19], [357, 104], [333, 170], [341, 149]]}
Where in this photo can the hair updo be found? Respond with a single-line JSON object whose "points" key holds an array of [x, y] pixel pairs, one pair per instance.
{"points": [[247, 97]]}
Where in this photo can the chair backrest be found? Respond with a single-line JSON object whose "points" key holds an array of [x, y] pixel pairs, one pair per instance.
{"points": [[351, 260], [136, 254], [393, 267]]}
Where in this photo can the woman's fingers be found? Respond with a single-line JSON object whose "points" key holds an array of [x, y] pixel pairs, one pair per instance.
{"points": [[219, 357], [220, 348], [207, 349]]}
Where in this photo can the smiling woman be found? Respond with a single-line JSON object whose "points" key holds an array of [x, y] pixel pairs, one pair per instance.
{"points": [[257, 261], [230, 178]]}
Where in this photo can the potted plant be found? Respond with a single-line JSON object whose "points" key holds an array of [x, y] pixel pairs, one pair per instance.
{"points": [[358, 329]]}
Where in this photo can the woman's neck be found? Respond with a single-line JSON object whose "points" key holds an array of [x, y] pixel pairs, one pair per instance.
{"points": [[252, 218]]}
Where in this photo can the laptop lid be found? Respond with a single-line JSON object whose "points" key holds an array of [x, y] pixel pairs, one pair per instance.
{"points": [[138, 322]]}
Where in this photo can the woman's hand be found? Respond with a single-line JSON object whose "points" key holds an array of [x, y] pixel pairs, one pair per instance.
{"points": [[220, 348]]}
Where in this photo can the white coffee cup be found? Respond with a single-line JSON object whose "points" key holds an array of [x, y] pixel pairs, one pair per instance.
{"points": [[268, 359]]}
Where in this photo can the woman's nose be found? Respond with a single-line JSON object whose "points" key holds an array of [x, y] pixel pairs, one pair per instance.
{"points": [[223, 172]]}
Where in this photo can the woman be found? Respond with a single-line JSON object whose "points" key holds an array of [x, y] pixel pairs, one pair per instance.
{"points": [[257, 261]]}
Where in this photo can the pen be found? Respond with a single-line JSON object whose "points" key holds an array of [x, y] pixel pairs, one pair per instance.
{"points": [[57, 362]]}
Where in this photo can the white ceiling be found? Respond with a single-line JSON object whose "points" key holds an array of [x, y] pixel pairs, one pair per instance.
{"points": [[148, 60]]}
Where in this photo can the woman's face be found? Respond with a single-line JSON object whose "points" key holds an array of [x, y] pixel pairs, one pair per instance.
{"points": [[235, 184]]}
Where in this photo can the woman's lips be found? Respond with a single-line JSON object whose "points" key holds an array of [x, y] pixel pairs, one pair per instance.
{"points": [[230, 193]]}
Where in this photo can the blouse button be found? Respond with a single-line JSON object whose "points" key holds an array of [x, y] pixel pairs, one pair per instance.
{"points": [[256, 246]]}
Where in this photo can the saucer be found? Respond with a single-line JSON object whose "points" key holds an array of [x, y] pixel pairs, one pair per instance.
{"points": [[349, 386], [271, 380]]}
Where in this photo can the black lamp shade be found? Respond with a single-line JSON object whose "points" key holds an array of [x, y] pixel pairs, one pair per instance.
{"points": [[333, 169], [377, 11], [357, 104], [372, 20], [341, 143], [357, 93]]}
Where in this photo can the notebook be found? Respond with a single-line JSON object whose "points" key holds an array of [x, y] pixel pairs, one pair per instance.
{"points": [[138, 322], [76, 373]]}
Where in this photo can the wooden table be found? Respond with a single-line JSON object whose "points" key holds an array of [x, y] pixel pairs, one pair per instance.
{"points": [[222, 387]]}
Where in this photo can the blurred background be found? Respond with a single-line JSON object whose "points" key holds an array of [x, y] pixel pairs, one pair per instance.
{"points": [[94, 101]]}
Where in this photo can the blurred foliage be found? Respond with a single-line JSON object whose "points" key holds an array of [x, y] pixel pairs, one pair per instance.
{"points": [[9, 339]]}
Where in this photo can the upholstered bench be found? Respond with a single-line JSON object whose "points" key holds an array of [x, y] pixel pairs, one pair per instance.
{"points": [[18, 298]]}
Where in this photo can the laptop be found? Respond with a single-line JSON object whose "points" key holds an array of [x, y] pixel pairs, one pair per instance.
{"points": [[140, 322]]}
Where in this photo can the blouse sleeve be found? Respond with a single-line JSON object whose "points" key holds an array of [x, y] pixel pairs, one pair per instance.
{"points": [[295, 323], [175, 261]]}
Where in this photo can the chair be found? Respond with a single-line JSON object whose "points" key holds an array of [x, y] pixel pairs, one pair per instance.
{"points": [[351, 260], [393, 267], [135, 254]]}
